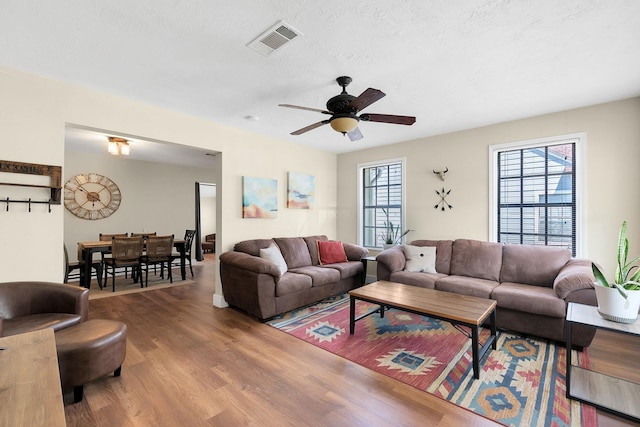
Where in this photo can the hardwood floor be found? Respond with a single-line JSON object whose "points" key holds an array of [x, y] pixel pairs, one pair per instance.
{"points": [[189, 363]]}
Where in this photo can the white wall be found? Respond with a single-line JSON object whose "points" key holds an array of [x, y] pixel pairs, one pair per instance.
{"points": [[207, 209], [610, 196], [34, 112], [155, 197]]}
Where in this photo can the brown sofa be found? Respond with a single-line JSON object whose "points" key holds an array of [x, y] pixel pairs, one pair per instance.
{"points": [[29, 306], [256, 285], [532, 284]]}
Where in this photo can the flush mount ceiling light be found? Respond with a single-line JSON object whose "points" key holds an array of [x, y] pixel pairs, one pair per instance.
{"points": [[118, 146]]}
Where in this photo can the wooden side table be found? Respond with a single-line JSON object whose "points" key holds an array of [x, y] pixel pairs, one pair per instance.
{"points": [[30, 380], [365, 263], [605, 392]]}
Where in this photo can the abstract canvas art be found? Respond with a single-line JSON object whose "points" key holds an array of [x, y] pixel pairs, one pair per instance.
{"points": [[259, 197], [300, 191]]}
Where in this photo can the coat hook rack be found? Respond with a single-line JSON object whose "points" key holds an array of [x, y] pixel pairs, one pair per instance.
{"points": [[29, 202]]}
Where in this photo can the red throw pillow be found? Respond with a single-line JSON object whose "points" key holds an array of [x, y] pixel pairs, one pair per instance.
{"points": [[330, 252]]}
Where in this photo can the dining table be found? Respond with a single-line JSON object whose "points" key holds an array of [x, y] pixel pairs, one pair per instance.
{"points": [[87, 249]]}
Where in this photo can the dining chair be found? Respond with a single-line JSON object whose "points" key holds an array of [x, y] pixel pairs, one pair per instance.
{"points": [[158, 251], [188, 243], [125, 252], [144, 238], [71, 266], [144, 235], [107, 254]]}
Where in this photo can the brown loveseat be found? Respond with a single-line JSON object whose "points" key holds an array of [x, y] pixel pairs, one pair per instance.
{"points": [[258, 287], [532, 284], [29, 306]]}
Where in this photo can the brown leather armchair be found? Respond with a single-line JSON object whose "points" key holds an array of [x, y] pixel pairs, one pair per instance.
{"points": [[29, 306], [209, 244]]}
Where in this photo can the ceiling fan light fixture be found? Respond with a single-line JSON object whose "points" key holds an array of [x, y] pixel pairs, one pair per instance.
{"points": [[344, 124], [118, 146]]}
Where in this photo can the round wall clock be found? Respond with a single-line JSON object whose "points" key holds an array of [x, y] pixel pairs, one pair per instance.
{"points": [[91, 196]]}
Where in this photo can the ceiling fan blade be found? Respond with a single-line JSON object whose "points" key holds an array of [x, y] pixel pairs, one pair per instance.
{"points": [[355, 134], [366, 98], [388, 118], [310, 127], [305, 108]]}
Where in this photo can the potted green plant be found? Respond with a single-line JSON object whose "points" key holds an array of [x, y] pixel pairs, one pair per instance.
{"points": [[391, 236], [619, 300]]}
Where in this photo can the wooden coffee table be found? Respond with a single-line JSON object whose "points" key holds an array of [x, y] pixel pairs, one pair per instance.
{"points": [[454, 308]]}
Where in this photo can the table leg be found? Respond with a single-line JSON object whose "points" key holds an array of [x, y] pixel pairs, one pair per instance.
{"points": [[567, 328], [494, 331], [183, 270], [474, 351], [352, 315], [85, 278]]}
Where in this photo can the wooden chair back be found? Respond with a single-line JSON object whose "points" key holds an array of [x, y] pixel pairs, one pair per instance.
{"points": [[159, 247], [107, 237], [126, 248]]}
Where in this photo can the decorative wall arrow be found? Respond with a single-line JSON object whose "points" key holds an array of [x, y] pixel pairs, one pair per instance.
{"points": [[443, 202]]}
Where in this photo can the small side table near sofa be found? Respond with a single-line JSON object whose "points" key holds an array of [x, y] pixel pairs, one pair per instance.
{"points": [[605, 392]]}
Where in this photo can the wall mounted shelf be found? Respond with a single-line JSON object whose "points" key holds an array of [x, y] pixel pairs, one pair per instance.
{"points": [[53, 172]]}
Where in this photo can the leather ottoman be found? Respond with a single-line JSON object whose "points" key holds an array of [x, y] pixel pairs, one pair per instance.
{"points": [[89, 351]]}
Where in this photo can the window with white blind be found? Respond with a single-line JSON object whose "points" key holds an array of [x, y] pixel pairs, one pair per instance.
{"points": [[534, 188], [381, 202]]}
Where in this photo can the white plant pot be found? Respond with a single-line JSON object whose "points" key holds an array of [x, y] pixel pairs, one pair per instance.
{"points": [[613, 306], [387, 245]]}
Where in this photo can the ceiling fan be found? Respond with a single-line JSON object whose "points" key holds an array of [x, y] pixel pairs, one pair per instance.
{"points": [[344, 109]]}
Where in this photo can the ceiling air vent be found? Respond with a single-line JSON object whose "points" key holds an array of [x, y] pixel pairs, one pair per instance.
{"points": [[274, 38]]}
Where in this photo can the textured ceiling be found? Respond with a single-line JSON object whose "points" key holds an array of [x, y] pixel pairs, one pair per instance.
{"points": [[453, 64]]}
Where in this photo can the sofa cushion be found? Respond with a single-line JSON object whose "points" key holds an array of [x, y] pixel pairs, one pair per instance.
{"points": [[481, 288], [474, 258], [292, 282], [273, 254], [294, 250], [313, 247], [347, 269], [33, 322], [420, 258], [443, 253], [319, 275], [530, 299], [425, 280], [252, 247], [532, 265], [331, 252]]}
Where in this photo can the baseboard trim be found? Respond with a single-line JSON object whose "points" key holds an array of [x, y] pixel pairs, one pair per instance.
{"points": [[219, 301]]}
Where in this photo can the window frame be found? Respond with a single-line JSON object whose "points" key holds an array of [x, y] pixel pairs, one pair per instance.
{"points": [[579, 139], [360, 204]]}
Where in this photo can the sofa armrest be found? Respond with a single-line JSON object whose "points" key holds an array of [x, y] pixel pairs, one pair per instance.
{"points": [[389, 261], [575, 275], [250, 263], [249, 282], [354, 252]]}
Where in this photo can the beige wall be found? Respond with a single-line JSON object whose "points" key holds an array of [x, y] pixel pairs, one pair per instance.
{"points": [[611, 174], [33, 114], [208, 213]]}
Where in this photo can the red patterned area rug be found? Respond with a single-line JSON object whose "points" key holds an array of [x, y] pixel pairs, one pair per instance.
{"points": [[522, 382]]}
